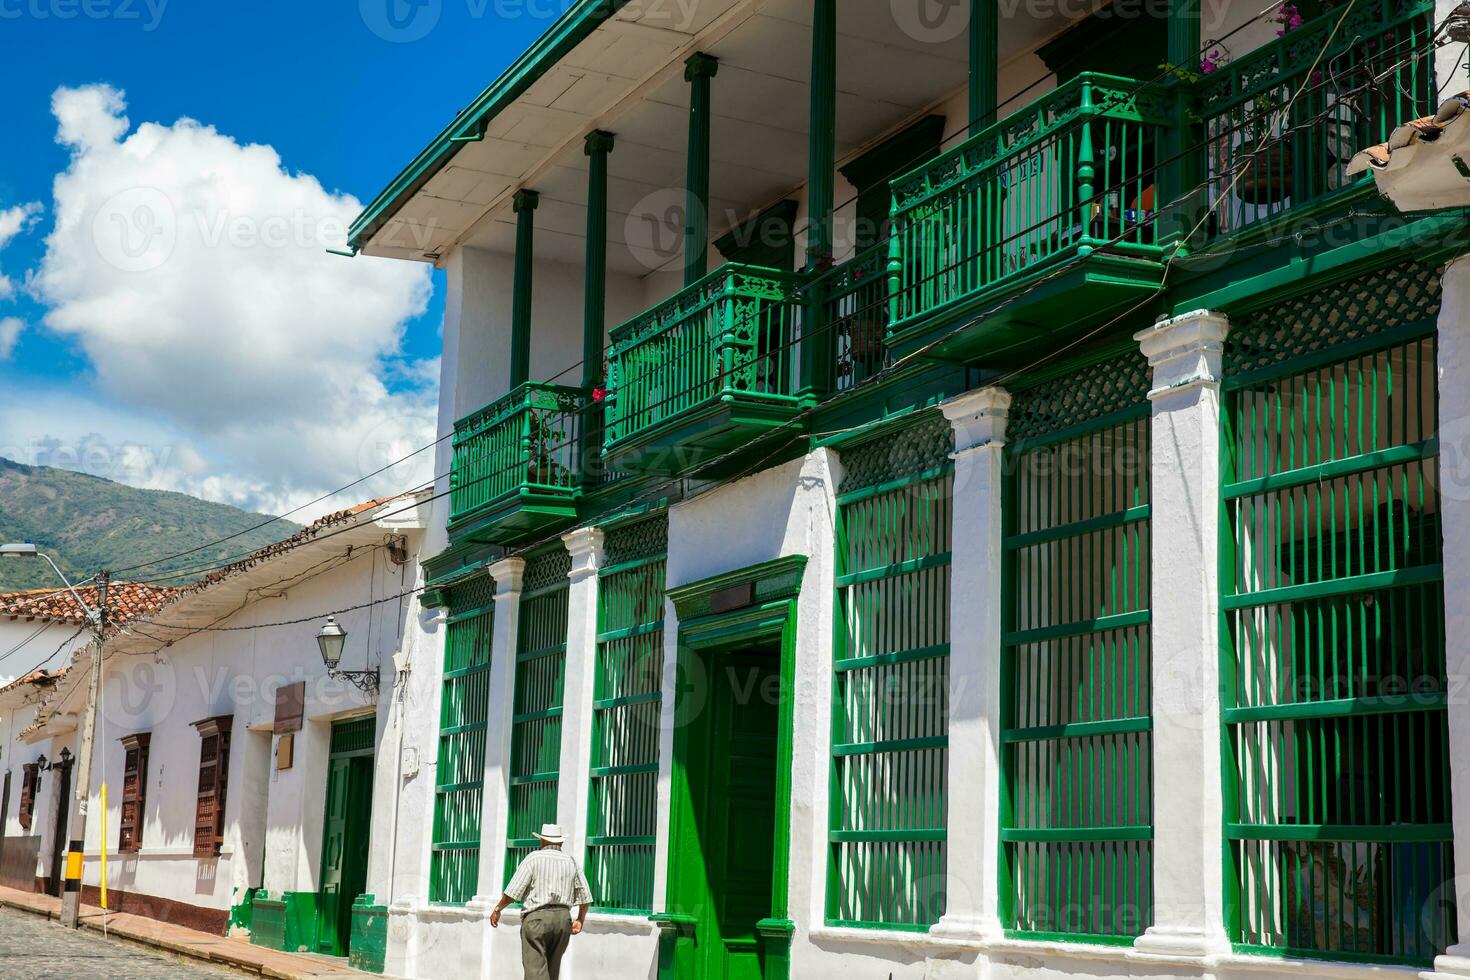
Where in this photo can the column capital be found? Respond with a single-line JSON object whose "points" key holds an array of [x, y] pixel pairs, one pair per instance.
{"points": [[700, 65], [508, 573], [585, 547], [525, 200], [598, 141], [979, 419], [1185, 351]]}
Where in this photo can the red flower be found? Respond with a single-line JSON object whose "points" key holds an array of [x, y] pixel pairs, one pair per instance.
{"points": [[599, 394]]}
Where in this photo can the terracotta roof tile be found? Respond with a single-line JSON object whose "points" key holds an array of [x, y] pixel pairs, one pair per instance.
{"points": [[35, 677], [1424, 130], [125, 601], [284, 545]]}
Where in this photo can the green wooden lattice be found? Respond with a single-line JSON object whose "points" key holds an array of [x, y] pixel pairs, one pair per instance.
{"points": [[1076, 681], [890, 720], [454, 864], [1336, 790], [623, 808], [535, 743]]}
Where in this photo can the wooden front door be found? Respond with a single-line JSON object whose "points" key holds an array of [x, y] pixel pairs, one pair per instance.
{"points": [[58, 839], [345, 828], [733, 779]]}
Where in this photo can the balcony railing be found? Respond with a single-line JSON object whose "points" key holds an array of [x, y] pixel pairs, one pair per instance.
{"points": [[519, 452], [855, 296], [724, 342], [1071, 173], [1281, 123]]}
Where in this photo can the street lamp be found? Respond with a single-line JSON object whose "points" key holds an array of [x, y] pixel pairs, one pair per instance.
{"points": [[71, 896], [330, 639]]}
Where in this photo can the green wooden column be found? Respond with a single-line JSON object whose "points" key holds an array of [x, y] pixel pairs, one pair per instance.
{"points": [[520, 315], [698, 71], [984, 63], [1180, 173], [594, 316], [817, 341]]}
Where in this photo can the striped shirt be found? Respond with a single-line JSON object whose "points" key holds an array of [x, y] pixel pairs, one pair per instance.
{"points": [[549, 877]]}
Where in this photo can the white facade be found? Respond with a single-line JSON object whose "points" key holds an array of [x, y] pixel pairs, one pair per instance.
{"points": [[790, 509], [216, 650], [35, 650]]}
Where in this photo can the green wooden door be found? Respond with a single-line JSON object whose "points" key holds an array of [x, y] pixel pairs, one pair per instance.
{"points": [[345, 829], [334, 853], [737, 824]]}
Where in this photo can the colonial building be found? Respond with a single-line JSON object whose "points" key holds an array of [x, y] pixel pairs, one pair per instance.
{"points": [[251, 787], [40, 631], [943, 496]]}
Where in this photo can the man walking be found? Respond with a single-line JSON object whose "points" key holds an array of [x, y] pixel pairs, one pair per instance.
{"points": [[547, 884]]}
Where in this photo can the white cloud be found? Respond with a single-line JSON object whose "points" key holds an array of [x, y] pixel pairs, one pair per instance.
{"points": [[191, 270], [10, 328], [13, 221]]}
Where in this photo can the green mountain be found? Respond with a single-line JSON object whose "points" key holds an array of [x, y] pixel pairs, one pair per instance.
{"points": [[87, 523]]}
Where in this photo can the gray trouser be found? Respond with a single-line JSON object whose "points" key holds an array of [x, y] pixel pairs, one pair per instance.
{"points": [[544, 937]]}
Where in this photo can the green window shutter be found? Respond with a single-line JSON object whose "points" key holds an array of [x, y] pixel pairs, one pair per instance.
{"points": [[890, 720], [1076, 714], [454, 865], [1336, 787], [535, 741], [623, 809]]}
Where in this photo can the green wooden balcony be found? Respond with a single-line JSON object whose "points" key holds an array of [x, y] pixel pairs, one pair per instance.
{"points": [[1280, 124], [515, 465], [704, 372], [1058, 196]]}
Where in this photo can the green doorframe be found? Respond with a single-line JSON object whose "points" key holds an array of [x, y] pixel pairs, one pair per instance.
{"points": [[750, 606], [353, 747]]}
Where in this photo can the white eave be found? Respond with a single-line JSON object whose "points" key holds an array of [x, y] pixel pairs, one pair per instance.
{"points": [[1425, 164]]}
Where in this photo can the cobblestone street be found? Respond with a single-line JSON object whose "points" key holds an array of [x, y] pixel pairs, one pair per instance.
{"points": [[35, 948]]}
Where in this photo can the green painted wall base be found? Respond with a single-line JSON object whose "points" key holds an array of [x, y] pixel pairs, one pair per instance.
{"points": [[287, 923], [369, 946], [241, 914]]}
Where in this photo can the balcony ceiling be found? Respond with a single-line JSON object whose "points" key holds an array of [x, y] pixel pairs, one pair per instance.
{"points": [[627, 77]]}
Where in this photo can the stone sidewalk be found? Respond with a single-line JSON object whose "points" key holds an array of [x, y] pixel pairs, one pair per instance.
{"points": [[232, 953]]}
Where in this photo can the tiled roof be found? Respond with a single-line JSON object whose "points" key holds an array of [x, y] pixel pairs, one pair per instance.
{"points": [[35, 677], [1425, 130], [284, 545], [125, 601]]}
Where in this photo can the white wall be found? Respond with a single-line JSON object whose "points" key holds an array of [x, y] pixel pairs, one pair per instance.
{"points": [[25, 647], [273, 818]]}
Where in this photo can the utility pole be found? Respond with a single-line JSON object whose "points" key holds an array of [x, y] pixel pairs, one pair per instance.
{"points": [[71, 896]]}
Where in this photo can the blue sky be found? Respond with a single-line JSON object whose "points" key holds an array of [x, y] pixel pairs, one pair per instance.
{"points": [[344, 91]]}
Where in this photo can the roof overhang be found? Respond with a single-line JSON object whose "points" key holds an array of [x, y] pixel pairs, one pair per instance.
{"points": [[619, 67], [1425, 164], [473, 122]]}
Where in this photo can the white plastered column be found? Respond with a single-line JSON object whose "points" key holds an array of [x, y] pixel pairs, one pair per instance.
{"points": [[1450, 77], [585, 547], [1185, 353], [971, 890], [509, 574], [1454, 502]]}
